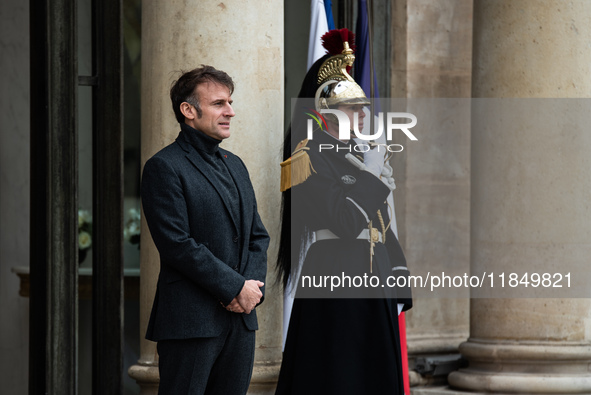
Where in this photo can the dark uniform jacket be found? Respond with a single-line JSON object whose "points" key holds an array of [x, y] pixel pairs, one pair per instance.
{"points": [[344, 341], [206, 253], [341, 198]]}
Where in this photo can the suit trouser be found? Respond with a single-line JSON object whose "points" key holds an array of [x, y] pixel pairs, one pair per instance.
{"points": [[208, 366]]}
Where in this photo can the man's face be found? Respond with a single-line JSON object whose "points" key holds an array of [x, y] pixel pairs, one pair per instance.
{"points": [[350, 110], [216, 110]]}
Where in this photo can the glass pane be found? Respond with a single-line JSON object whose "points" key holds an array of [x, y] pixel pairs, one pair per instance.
{"points": [[131, 162], [132, 130], [84, 37]]}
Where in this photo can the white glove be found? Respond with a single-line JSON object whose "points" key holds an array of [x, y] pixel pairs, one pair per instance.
{"points": [[376, 166], [373, 160], [362, 166], [387, 176]]}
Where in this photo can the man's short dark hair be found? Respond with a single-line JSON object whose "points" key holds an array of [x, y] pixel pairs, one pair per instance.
{"points": [[183, 89]]}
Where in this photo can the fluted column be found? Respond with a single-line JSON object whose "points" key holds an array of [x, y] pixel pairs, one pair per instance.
{"points": [[529, 195], [245, 39], [432, 44]]}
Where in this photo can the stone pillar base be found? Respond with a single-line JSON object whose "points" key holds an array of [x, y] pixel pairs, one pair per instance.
{"points": [[147, 376], [431, 344], [264, 378], [263, 382], [525, 367], [435, 344]]}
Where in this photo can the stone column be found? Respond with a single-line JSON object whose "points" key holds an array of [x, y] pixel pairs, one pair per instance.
{"points": [[432, 59], [530, 192], [245, 39]]}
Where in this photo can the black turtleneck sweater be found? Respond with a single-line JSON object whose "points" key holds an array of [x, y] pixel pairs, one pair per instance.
{"points": [[208, 148]]}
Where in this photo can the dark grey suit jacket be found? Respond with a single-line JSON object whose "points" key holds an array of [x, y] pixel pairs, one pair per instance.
{"points": [[205, 253]]}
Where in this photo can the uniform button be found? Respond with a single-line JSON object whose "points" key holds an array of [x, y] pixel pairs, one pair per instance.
{"points": [[235, 268], [235, 239]]}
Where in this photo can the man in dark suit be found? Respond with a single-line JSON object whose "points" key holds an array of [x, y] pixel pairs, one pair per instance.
{"points": [[200, 208]]}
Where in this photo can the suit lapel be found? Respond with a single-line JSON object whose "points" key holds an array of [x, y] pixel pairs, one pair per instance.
{"points": [[205, 169], [240, 177], [236, 171]]}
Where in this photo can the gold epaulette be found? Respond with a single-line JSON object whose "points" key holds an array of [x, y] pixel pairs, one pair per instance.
{"points": [[297, 168]]}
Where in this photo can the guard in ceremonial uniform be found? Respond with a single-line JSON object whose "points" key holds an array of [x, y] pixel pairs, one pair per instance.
{"points": [[336, 224]]}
